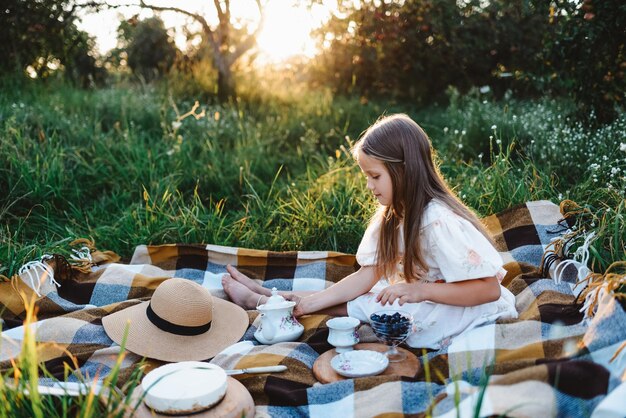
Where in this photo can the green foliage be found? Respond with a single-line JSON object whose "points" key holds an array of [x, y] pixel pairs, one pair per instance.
{"points": [[420, 47], [587, 54], [149, 49], [128, 167], [81, 67], [42, 36]]}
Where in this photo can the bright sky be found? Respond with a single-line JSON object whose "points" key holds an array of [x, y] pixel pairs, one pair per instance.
{"points": [[286, 31]]}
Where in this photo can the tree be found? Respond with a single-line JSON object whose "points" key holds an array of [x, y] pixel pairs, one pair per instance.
{"points": [[587, 54], [150, 50], [417, 48], [226, 42], [81, 66], [41, 35]]}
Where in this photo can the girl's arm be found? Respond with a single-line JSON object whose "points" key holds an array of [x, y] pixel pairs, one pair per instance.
{"points": [[348, 288], [466, 293]]}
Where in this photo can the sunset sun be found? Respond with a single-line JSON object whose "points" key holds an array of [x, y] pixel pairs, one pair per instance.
{"points": [[287, 32]]}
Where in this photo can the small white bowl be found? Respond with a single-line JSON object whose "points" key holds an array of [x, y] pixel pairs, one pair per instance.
{"points": [[342, 333], [185, 387], [359, 363]]}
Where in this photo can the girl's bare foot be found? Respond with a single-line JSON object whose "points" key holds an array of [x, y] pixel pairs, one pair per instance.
{"points": [[240, 294], [248, 282]]}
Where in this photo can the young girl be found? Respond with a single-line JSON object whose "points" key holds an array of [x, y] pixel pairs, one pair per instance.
{"points": [[423, 252]]}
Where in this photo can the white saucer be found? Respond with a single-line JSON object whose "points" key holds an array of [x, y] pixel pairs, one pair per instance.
{"points": [[359, 363]]}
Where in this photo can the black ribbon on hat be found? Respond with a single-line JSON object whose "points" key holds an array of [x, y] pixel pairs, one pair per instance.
{"points": [[170, 327]]}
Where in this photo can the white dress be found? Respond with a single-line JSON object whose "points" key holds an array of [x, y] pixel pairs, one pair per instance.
{"points": [[454, 250]]}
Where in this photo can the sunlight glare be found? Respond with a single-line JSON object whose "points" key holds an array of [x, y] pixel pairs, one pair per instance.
{"points": [[287, 32]]}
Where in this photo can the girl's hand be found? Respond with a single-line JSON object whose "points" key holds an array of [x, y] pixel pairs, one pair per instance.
{"points": [[298, 309], [403, 292]]}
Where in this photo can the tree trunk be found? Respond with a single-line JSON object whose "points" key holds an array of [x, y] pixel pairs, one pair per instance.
{"points": [[220, 43], [225, 85]]}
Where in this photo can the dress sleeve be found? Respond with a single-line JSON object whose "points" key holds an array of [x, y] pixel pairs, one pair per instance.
{"points": [[460, 251], [366, 253]]}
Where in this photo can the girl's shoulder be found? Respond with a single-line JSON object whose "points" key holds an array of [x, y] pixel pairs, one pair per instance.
{"points": [[437, 212]]}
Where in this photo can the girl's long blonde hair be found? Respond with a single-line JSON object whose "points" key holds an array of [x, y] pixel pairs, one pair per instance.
{"points": [[406, 151]]}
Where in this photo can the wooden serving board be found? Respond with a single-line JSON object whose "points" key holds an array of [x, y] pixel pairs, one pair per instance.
{"points": [[324, 373], [236, 403]]}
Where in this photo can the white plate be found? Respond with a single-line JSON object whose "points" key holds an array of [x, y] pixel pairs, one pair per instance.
{"points": [[359, 363]]}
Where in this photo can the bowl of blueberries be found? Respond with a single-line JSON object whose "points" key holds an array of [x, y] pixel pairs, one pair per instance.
{"points": [[392, 327]]}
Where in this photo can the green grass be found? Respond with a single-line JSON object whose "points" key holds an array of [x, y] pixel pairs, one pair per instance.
{"points": [[20, 395], [271, 172]]}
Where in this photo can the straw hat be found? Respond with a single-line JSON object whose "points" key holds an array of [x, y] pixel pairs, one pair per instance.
{"points": [[181, 322]]}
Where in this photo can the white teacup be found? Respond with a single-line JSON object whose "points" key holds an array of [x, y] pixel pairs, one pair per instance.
{"points": [[342, 333]]}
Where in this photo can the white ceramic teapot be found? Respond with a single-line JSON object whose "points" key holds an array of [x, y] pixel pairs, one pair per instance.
{"points": [[277, 321]]}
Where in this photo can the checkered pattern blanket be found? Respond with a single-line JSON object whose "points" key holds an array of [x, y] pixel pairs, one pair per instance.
{"points": [[548, 362]]}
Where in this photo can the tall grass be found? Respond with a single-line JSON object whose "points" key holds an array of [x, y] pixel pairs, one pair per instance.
{"points": [[22, 396], [121, 166]]}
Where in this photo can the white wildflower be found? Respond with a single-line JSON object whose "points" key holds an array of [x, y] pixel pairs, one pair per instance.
{"points": [[622, 146], [494, 127], [445, 130], [176, 124]]}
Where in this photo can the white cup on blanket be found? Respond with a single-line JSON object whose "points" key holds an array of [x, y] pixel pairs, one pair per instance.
{"points": [[342, 333]]}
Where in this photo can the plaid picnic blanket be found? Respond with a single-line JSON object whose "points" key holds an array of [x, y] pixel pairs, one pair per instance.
{"points": [[548, 362]]}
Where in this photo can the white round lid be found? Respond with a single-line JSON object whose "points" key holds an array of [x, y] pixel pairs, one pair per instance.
{"points": [[185, 387], [276, 301]]}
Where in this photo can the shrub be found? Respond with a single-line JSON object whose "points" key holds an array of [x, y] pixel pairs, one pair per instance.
{"points": [[587, 56]]}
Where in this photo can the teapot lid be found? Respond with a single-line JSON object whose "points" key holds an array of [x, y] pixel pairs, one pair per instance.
{"points": [[276, 301]]}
